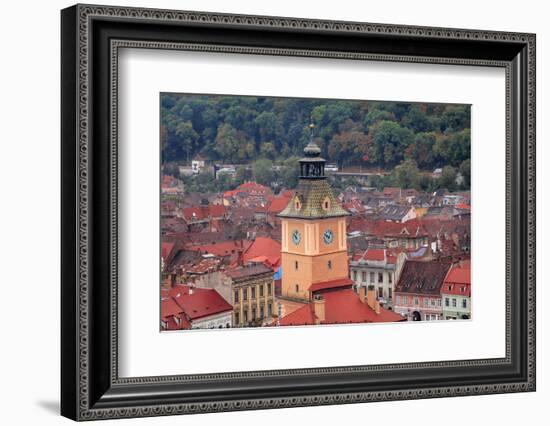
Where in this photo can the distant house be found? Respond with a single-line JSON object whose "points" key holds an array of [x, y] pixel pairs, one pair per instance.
{"points": [[185, 170], [224, 169], [186, 307], [398, 213], [275, 206], [249, 193], [452, 199], [456, 292], [204, 214], [355, 207], [197, 164], [379, 268], [436, 174], [418, 290], [439, 212], [171, 186]]}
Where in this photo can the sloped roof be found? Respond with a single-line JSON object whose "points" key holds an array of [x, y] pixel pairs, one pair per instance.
{"points": [[199, 302], [394, 212], [332, 284], [341, 307], [459, 273], [423, 277], [244, 272], [312, 193], [278, 204], [263, 246]]}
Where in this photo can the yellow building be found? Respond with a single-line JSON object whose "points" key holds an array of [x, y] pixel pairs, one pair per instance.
{"points": [[314, 246]]}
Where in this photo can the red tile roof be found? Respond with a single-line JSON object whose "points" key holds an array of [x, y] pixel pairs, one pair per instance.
{"points": [[254, 186], [456, 289], [341, 307], [169, 307], [344, 306], [223, 248], [263, 246], [459, 273], [248, 271], [374, 254], [278, 204], [204, 212], [166, 249], [301, 316], [463, 206], [332, 284], [199, 302]]}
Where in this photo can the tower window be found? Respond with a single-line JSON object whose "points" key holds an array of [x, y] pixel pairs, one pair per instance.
{"points": [[329, 264], [296, 264], [326, 204], [297, 288]]}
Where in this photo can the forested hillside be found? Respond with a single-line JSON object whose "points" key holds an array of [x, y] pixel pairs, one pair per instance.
{"points": [[370, 134]]}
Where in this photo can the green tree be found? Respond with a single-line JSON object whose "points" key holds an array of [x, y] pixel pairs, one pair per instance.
{"points": [[406, 174], [422, 149], [268, 126], [465, 171], [267, 150], [448, 178], [227, 143], [187, 138], [242, 175], [389, 141], [290, 172], [262, 171]]}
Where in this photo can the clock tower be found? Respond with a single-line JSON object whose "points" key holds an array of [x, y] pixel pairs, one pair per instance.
{"points": [[313, 225]]}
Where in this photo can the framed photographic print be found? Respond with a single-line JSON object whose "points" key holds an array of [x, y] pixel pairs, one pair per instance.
{"points": [[263, 212]]}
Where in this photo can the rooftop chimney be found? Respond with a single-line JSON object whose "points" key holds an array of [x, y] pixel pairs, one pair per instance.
{"points": [[319, 308], [372, 301], [363, 294]]}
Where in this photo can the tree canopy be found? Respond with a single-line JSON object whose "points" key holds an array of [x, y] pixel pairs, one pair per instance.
{"points": [[370, 134]]}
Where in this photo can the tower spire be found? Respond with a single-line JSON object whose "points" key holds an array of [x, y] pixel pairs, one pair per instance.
{"points": [[311, 149]]}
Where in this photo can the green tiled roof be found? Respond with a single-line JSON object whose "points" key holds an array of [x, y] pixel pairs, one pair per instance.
{"points": [[312, 193]]}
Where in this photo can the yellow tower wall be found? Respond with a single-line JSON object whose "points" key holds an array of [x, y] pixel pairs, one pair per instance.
{"points": [[312, 255]]}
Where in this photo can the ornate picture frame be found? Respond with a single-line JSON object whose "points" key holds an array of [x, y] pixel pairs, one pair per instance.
{"points": [[91, 37]]}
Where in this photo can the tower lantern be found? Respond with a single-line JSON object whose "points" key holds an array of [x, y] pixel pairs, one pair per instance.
{"points": [[312, 165]]}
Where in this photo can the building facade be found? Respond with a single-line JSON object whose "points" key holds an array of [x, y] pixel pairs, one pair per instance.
{"points": [[380, 269], [252, 293], [418, 290], [456, 292]]}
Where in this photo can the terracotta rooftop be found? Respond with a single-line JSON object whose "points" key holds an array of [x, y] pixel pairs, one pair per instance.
{"points": [[341, 307], [198, 303], [248, 271], [423, 277], [332, 284]]}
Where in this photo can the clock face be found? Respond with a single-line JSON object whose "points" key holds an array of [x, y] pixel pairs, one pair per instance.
{"points": [[296, 237], [328, 236]]}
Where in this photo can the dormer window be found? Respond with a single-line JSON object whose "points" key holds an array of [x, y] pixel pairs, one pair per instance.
{"points": [[297, 203], [326, 204]]}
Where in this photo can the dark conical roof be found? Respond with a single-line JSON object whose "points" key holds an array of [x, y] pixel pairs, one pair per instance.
{"points": [[312, 150]]}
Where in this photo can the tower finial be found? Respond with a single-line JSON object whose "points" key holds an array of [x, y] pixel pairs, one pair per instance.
{"points": [[311, 127], [311, 149]]}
